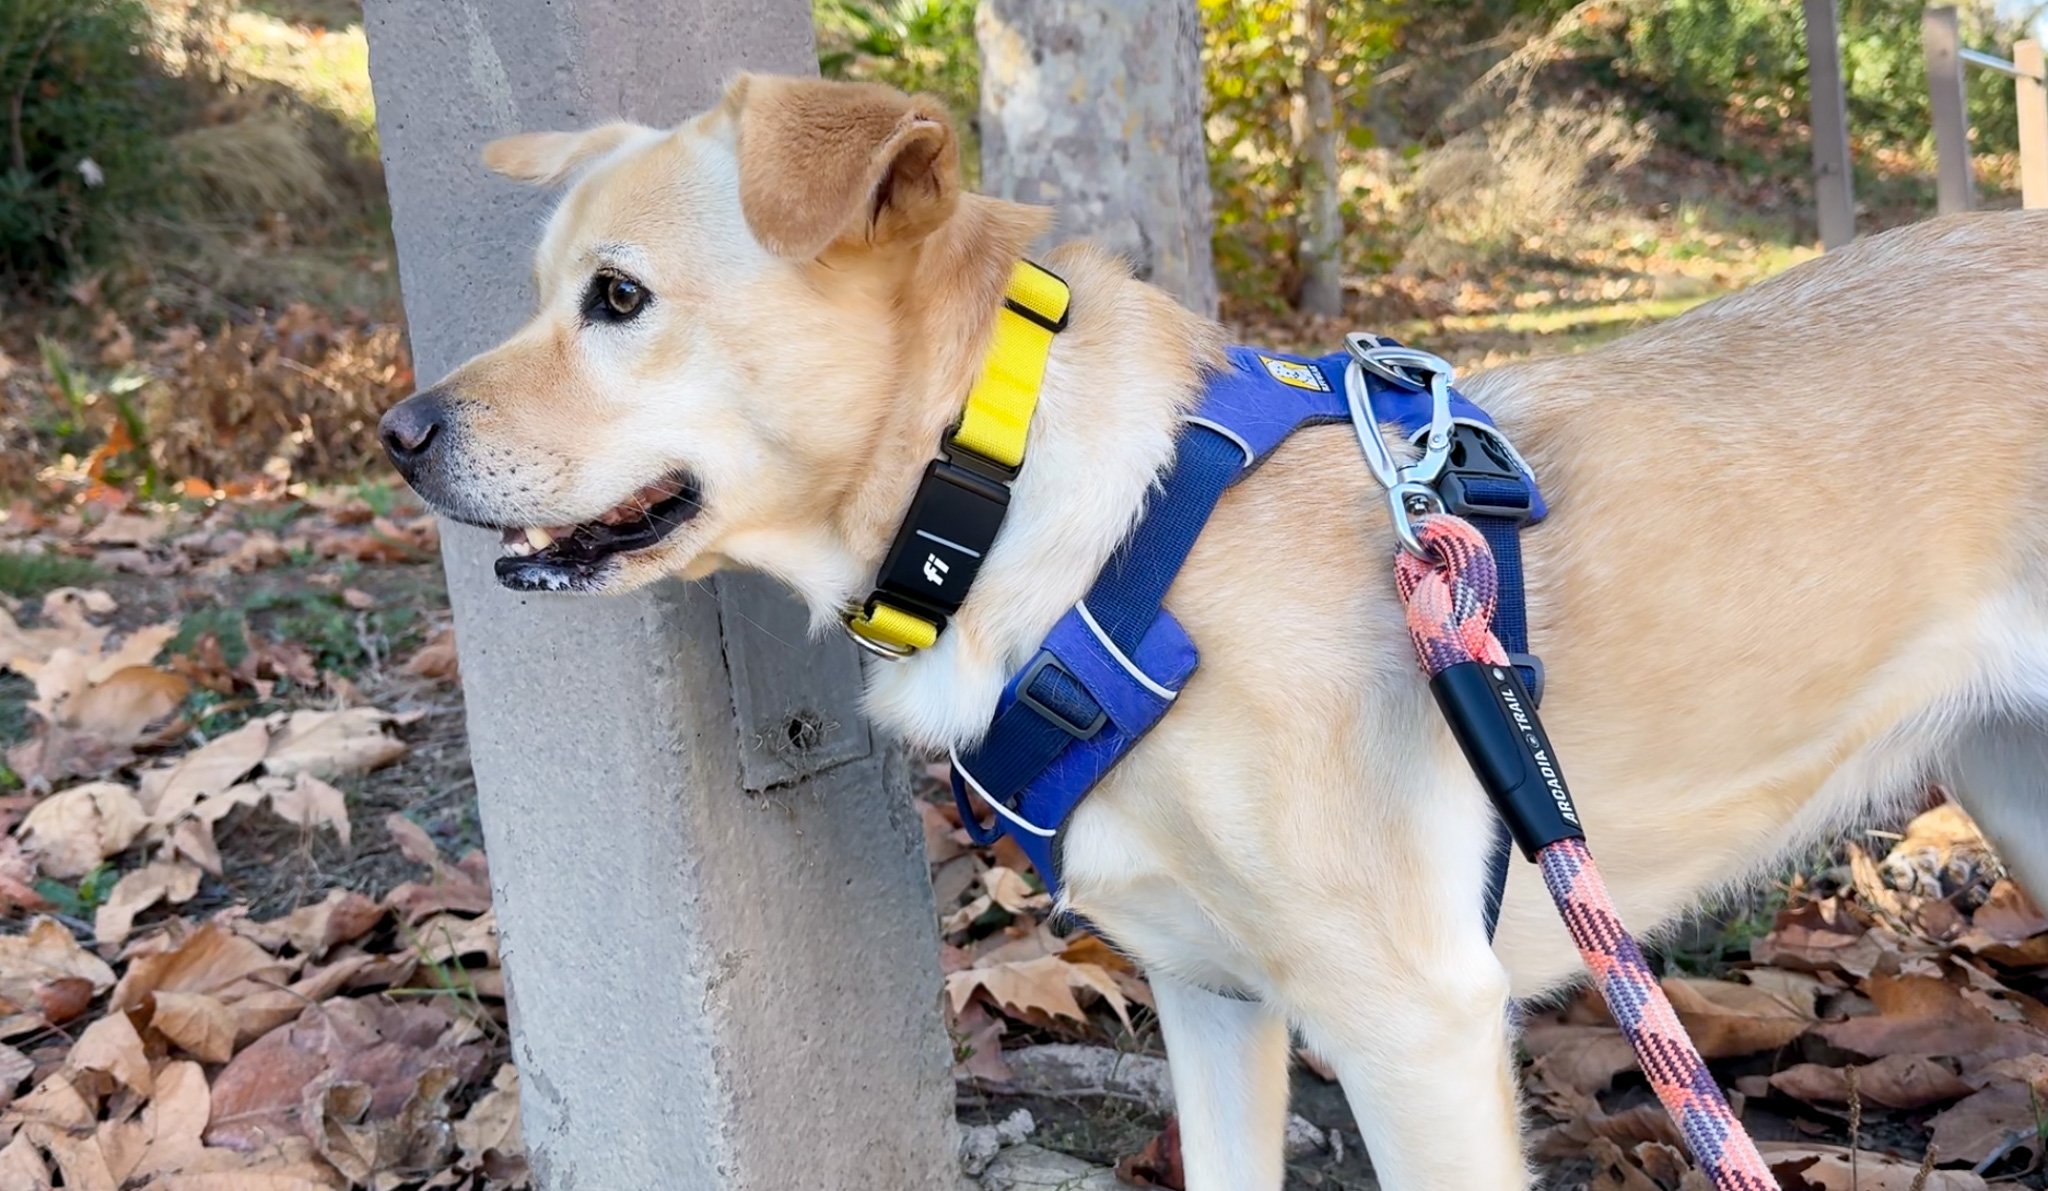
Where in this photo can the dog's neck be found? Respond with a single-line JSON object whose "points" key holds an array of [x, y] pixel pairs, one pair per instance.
{"points": [[1129, 362]]}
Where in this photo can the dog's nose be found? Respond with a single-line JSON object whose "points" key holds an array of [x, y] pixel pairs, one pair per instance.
{"points": [[412, 429]]}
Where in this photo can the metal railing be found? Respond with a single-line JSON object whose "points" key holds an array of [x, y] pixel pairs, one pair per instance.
{"points": [[1956, 184]]}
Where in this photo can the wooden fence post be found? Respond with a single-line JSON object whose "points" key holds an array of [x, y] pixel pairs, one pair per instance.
{"points": [[1833, 185], [2032, 95], [713, 908], [1956, 187]]}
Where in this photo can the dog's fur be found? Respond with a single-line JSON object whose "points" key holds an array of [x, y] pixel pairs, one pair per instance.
{"points": [[1794, 566]]}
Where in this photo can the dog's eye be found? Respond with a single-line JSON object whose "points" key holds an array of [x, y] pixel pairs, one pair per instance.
{"points": [[615, 298]]}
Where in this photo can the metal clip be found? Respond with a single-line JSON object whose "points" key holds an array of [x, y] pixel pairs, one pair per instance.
{"points": [[1411, 490], [888, 653]]}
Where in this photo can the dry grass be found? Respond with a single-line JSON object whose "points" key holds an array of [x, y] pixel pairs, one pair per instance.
{"points": [[1532, 173], [248, 169]]}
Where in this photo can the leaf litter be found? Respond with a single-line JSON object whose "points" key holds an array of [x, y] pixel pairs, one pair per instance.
{"points": [[156, 1035], [1895, 1004]]}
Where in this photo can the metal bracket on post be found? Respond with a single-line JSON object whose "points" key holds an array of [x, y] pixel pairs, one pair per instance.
{"points": [[784, 737]]}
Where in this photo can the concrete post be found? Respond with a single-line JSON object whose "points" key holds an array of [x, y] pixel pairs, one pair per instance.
{"points": [[2032, 97], [713, 909], [1955, 186], [1833, 185]]}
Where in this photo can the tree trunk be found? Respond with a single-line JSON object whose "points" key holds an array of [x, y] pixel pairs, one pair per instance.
{"points": [[1320, 244], [1095, 108]]}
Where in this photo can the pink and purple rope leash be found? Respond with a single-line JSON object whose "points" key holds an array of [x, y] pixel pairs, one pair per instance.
{"points": [[1450, 603]]}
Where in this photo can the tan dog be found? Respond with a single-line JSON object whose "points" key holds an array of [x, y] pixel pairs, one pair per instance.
{"points": [[1795, 565]]}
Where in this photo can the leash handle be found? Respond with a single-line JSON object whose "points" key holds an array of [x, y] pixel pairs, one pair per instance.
{"points": [[1451, 593]]}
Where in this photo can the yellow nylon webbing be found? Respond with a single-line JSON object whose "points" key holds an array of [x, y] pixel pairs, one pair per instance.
{"points": [[999, 406], [892, 626], [994, 424]]}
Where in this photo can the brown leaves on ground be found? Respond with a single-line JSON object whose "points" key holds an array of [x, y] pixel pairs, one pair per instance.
{"points": [[327, 1049], [1911, 995], [94, 703], [353, 1042], [1001, 956], [279, 763]]}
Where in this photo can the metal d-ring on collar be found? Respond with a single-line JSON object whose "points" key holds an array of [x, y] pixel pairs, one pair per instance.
{"points": [[1411, 490]]}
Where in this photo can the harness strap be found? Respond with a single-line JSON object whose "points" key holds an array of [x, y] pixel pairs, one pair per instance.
{"points": [[961, 501], [1052, 709]]}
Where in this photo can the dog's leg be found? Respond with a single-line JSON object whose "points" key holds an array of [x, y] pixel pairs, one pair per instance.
{"points": [[1998, 770], [1229, 1063], [1423, 1053]]}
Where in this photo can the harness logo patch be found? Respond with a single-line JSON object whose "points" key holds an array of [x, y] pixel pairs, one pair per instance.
{"points": [[1301, 376], [935, 569]]}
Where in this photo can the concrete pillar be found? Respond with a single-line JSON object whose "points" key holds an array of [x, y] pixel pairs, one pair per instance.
{"points": [[714, 915], [1834, 194]]}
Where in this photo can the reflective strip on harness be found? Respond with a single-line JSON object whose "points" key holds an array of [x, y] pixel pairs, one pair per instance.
{"points": [[1111, 666]]}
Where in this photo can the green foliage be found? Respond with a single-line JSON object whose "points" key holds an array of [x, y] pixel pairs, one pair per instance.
{"points": [[25, 576], [88, 146], [91, 892], [912, 45], [1255, 56], [1704, 61]]}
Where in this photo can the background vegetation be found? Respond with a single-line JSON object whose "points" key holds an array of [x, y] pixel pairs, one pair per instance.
{"points": [[201, 559]]}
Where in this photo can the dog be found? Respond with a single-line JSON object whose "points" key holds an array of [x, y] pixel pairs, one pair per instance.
{"points": [[1796, 568]]}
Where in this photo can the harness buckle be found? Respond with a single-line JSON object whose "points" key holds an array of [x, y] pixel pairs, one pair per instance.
{"points": [[1484, 477], [1050, 714]]}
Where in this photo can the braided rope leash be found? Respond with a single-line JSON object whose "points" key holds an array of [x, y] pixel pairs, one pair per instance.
{"points": [[1450, 604]]}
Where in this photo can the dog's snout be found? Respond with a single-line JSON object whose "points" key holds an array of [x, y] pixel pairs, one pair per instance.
{"points": [[413, 429]]}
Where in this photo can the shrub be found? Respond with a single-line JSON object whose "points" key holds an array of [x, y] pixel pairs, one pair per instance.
{"points": [[87, 148]]}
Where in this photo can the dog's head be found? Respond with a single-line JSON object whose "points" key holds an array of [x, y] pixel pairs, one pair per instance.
{"points": [[713, 353]]}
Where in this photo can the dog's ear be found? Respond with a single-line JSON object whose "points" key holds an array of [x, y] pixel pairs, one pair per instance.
{"points": [[549, 158], [822, 162]]}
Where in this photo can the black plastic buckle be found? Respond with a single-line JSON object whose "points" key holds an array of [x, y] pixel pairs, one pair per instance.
{"points": [[1480, 454], [1045, 660], [952, 522]]}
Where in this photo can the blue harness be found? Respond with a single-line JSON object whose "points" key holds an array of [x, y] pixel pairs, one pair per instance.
{"points": [[1111, 667]]}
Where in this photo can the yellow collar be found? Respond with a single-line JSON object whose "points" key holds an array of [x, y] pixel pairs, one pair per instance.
{"points": [[960, 502]]}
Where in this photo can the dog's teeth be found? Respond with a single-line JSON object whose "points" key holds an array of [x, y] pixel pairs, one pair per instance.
{"points": [[539, 539]]}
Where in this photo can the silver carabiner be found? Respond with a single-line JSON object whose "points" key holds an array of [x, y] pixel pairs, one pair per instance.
{"points": [[1411, 489]]}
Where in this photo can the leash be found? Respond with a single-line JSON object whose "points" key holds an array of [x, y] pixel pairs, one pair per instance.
{"points": [[1451, 588]]}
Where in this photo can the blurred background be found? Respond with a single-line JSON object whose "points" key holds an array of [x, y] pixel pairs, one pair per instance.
{"points": [[235, 762], [192, 212]]}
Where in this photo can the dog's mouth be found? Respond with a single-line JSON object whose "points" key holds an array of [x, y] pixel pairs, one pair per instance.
{"points": [[573, 557]]}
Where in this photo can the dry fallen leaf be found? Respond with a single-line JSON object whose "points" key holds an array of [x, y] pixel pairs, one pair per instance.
{"points": [[212, 961], [264, 1094], [196, 1023], [342, 916], [112, 1045], [45, 968], [73, 830], [169, 881], [1828, 1168], [2004, 1118], [1895, 1081], [492, 1125], [1042, 986], [325, 744], [173, 1120], [1727, 1018], [213, 767]]}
